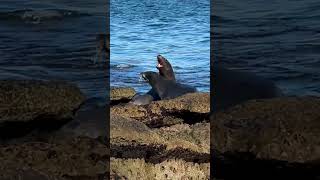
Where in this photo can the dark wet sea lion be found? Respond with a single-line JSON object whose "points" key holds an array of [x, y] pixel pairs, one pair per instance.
{"points": [[166, 71], [166, 89], [231, 87]]}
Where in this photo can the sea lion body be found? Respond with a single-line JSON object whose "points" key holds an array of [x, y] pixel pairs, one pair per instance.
{"points": [[141, 99], [166, 89], [231, 87], [166, 71]]}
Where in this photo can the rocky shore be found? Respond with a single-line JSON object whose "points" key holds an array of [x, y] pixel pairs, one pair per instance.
{"points": [[259, 139], [48, 132], [166, 139], [267, 139]]}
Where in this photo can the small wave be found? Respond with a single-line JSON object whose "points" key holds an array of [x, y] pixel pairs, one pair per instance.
{"points": [[122, 66], [30, 16]]}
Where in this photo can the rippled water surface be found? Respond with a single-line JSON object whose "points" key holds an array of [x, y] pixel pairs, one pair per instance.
{"points": [[53, 39], [178, 30], [279, 40]]}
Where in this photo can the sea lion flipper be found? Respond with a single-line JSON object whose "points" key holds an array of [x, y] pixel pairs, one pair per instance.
{"points": [[140, 99]]}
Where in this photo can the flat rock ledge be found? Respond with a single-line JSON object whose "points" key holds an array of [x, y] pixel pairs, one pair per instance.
{"points": [[121, 94], [164, 139], [278, 135], [189, 108]]}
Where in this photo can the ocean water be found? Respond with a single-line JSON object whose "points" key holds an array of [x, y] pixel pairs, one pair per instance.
{"points": [[177, 29], [279, 40], [53, 39]]}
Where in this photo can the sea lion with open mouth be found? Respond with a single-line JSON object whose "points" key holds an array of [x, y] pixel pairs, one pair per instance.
{"points": [[166, 89], [165, 68], [166, 71]]}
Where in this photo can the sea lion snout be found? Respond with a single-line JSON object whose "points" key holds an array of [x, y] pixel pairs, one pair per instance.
{"points": [[149, 75], [143, 76]]}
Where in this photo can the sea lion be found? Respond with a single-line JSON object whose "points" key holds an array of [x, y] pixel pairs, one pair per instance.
{"points": [[166, 89], [231, 87], [141, 99], [166, 71]]}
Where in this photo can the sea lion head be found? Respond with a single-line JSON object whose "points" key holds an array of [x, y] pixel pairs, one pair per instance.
{"points": [[151, 77], [165, 68]]}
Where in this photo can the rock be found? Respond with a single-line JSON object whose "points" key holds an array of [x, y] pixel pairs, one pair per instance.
{"points": [[170, 148], [26, 100], [70, 158], [121, 93], [197, 134], [284, 129], [133, 139], [169, 169], [191, 108]]}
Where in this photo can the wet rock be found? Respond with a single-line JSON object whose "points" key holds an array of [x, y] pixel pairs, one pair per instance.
{"points": [[25, 100], [190, 108], [277, 135]]}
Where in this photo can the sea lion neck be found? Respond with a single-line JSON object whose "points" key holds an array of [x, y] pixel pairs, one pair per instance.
{"points": [[154, 79], [165, 68]]}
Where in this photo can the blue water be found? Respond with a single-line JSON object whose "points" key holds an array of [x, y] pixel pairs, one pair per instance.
{"points": [[53, 39], [177, 29], [276, 39]]}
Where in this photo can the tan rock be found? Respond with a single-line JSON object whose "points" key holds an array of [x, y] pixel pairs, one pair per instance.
{"points": [[286, 129], [169, 169], [25, 100], [158, 112], [119, 93]]}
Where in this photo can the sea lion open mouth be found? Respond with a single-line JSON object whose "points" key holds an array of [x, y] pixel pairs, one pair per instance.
{"points": [[165, 68], [161, 61], [143, 76]]}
